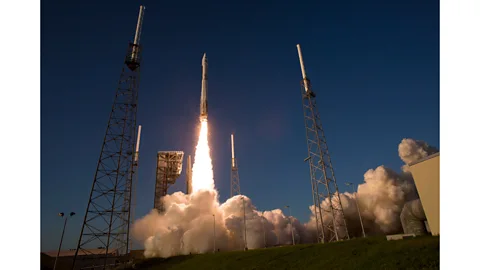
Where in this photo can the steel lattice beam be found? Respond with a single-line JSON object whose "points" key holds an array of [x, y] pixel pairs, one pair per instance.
{"points": [[330, 219], [104, 238], [234, 182], [234, 177], [169, 168]]}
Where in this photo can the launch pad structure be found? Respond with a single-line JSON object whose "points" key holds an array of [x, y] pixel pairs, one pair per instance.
{"points": [[234, 177], [322, 177], [188, 178], [106, 225], [169, 168]]}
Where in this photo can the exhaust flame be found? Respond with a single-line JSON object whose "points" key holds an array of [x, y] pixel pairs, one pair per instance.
{"points": [[202, 171]]}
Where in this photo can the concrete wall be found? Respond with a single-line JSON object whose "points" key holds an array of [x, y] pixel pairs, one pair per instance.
{"points": [[426, 174]]}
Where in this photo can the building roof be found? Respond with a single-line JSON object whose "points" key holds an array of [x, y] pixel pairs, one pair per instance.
{"points": [[425, 158]]}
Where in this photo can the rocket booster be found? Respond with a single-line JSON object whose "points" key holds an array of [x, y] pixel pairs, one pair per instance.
{"points": [[203, 97]]}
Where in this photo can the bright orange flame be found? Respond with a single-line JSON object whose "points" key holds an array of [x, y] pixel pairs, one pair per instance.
{"points": [[202, 171]]}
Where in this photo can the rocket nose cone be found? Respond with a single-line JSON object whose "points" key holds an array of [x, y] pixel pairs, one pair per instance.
{"points": [[204, 58]]}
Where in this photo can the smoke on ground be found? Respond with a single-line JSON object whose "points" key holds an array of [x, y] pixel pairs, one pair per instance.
{"points": [[187, 225], [381, 196]]}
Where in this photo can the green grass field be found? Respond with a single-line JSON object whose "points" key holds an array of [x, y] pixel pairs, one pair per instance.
{"points": [[370, 253]]}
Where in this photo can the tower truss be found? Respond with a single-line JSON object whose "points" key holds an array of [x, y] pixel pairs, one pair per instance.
{"points": [[169, 168], [234, 177], [104, 237], [329, 217]]}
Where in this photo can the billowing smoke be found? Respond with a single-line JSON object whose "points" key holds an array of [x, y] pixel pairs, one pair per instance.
{"points": [[198, 223], [187, 224], [382, 195], [411, 150]]}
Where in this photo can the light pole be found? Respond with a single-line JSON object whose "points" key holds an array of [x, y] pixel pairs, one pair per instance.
{"points": [[356, 204], [214, 238], [264, 235], [61, 238], [244, 223], [290, 221]]}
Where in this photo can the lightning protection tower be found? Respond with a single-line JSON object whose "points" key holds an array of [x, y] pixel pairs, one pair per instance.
{"points": [[234, 177], [324, 185], [104, 235], [133, 204]]}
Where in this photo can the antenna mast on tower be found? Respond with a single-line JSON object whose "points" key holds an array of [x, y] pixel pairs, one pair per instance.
{"points": [[104, 238], [324, 185], [234, 177]]}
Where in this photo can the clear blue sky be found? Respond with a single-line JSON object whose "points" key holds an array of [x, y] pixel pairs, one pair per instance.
{"points": [[373, 64]]}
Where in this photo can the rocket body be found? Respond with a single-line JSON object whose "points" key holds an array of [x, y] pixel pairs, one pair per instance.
{"points": [[203, 96]]}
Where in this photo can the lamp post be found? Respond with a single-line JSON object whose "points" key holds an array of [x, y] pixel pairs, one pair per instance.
{"points": [[61, 238], [214, 238], [290, 221], [356, 204], [244, 223], [264, 235]]}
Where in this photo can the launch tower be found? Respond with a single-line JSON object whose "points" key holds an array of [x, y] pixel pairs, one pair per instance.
{"points": [[188, 178], [234, 177], [324, 185], [104, 237], [169, 168]]}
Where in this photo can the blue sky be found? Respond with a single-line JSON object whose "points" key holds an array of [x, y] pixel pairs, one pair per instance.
{"points": [[374, 66]]}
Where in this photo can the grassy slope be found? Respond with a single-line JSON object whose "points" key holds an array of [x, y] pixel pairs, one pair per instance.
{"points": [[371, 253]]}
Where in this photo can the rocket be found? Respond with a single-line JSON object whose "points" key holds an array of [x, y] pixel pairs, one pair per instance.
{"points": [[203, 96]]}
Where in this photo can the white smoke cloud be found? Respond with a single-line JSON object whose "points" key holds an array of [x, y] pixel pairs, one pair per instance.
{"points": [[411, 150], [382, 195], [186, 226]]}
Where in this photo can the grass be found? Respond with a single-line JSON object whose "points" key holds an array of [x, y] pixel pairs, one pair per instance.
{"points": [[370, 253]]}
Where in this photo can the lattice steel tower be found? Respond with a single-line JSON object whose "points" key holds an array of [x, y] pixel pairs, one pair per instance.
{"points": [[104, 238], [324, 185], [234, 177]]}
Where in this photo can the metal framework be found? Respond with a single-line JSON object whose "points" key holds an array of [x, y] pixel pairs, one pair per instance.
{"points": [[107, 218], [104, 237], [324, 184], [169, 168], [330, 219], [234, 177], [133, 204]]}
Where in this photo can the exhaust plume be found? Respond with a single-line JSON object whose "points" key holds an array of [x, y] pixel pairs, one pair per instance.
{"points": [[186, 225], [202, 171]]}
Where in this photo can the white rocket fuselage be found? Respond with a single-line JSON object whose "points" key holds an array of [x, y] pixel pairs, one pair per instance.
{"points": [[203, 97]]}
